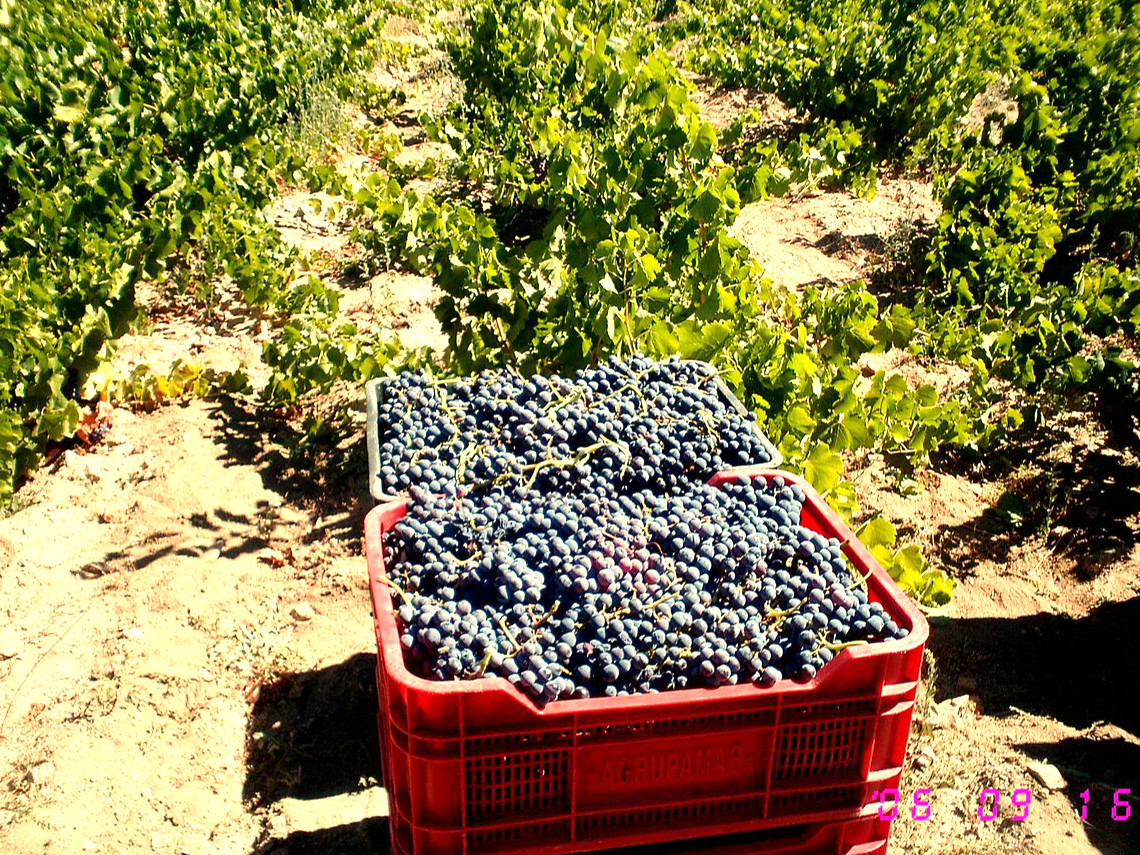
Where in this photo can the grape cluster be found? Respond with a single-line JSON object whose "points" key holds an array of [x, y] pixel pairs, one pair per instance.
{"points": [[627, 425], [561, 534], [593, 592]]}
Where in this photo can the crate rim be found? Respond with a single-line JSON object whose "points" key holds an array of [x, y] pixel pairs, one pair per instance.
{"points": [[788, 692]]}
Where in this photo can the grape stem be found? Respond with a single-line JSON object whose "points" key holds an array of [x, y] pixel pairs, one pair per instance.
{"points": [[481, 668], [510, 636], [436, 382], [628, 387], [670, 596], [624, 449], [858, 642], [780, 614], [465, 457], [543, 618], [557, 403], [710, 422], [403, 594], [561, 462], [862, 580], [462, 562]]}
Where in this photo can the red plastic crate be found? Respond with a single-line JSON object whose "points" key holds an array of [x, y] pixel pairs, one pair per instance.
{"points": [[475, 767]]}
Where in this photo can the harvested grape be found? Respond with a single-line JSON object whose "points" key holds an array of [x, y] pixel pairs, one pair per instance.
{"points": [[584, 595]]}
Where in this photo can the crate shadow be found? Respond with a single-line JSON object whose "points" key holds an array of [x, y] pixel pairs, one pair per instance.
{"points": [[313, 734], [368, 837], [1053, 665], [371, 837]]}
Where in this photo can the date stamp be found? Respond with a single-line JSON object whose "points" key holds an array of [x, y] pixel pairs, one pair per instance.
{"points": [[1120, 810], [989, 804], [890, 802]]}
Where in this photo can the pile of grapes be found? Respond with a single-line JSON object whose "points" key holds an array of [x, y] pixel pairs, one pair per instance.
{"points": [[623, 426], [623, 572]]}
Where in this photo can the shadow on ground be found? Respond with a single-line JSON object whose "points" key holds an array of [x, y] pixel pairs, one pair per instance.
{"points": [[369, 837], [1070, 669], [1101, 769], [313, 734], [1085, 507], [233, 535], [322, 462], [835, 242]]}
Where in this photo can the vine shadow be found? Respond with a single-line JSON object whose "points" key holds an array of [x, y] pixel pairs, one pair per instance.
{"points": [[839, 243], [898, 262], [1070, 669], [325, 467], [231, 536], [1083, 506]]}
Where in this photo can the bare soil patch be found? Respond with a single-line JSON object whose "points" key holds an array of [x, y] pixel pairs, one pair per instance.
{"points": [[153, 584], [831, 237], [721, 107], [320, 226], [1021, 676]]}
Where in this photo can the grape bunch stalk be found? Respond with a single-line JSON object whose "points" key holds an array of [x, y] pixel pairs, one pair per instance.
{"points": [[622, 571]]}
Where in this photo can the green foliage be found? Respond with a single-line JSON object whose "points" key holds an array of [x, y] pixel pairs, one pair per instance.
{"points": [[826, 155], [897, 75], [138, 140], [929, 585], [1033, 255], [144, 388], [609, 208], [314, 352], [995, 236], [588, 209]]}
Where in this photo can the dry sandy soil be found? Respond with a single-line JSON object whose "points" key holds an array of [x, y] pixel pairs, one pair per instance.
{"points": [[186, 643]]}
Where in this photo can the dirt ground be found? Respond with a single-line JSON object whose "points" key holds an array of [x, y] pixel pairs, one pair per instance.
{"points": [[827, 238], [186, 646]]}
